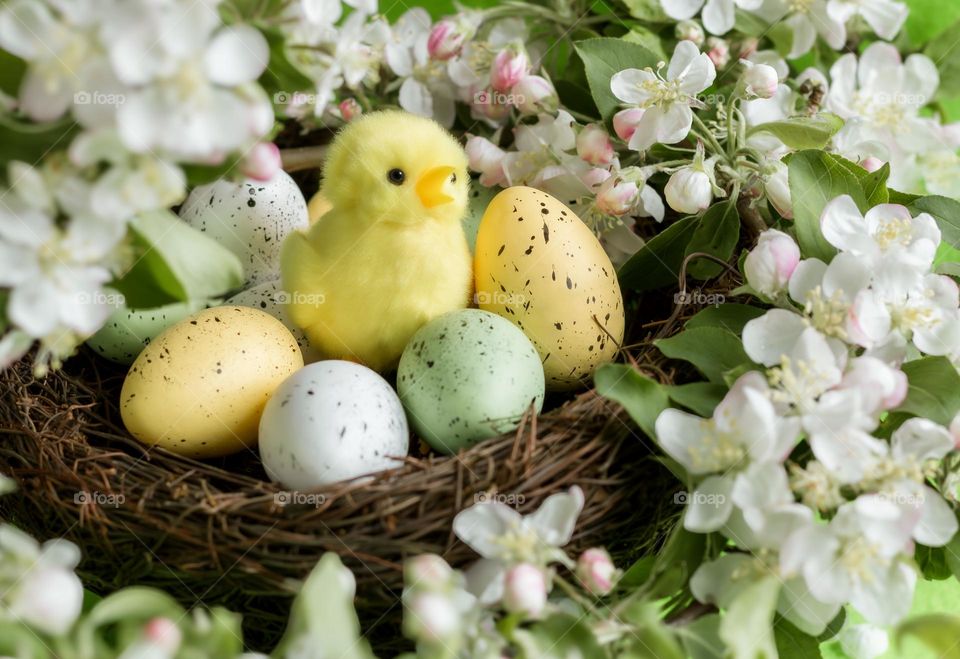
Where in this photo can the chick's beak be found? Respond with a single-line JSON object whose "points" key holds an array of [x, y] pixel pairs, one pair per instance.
{"points": [[430, 186]]}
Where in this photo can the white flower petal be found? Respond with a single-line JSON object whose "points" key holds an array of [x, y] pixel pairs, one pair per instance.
{"points": [[710, 505], [480, 525], [920, 439], [682, 10], [715, 582], [678, 433], [416, 98], [718, 16], [237, 54], [844, 226], [626, 85], [771, 336], [885, 17], [556, 517], [885, 598]]}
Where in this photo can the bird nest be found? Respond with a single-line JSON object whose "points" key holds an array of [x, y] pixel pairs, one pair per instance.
{"points": [[219, 532]]}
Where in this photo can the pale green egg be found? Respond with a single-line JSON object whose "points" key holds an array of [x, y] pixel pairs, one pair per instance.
{"points": [[466, 376], [128, 331], [478, 199]]}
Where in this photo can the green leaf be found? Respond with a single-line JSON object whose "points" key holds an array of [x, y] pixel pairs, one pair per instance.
{"points": [[658, 262], [730, 316], [945, 211], [933, 562], [874, 186], [747, 625], [750, 24], [678, 560], [602, 58], [793, 643], [324, 609], [559, 636], [937, 631], [902, 198], [175, 263], [699, 397], [29, 142], [281, 77], [638, 573], [135, 602], [651, 637], [642, 397], [803, 132], [646, 38], [934, 391], [716, 234], [712, 350], [12, 69], [817, 178], [930, 18], [952, 556], [701, 638], [650, 11]]}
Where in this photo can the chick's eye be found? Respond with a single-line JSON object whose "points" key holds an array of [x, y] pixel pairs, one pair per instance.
{"points": [[396, 176]]}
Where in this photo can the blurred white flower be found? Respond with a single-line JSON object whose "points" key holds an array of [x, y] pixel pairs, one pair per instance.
{"points": [[525, 590], [760, 80], [806, 19], [666, 99], [596, 571], [771, 263], [40, 587], [886, 17]]}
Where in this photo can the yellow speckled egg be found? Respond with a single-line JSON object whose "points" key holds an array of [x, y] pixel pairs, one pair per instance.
{"points": [[541, 267], [199, 388]]}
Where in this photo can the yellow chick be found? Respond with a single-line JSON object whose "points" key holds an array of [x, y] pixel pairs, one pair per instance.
{"points": [[391, 253]]}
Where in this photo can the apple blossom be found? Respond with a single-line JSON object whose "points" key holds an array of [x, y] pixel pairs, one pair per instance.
{"points": [[533, 94], [718, 15], [446, 39], [689, 190], [430, 617], [596, 571], [886, 17], [594, 146], [776, 187], [625, 122], [771, 263], [806, 20], [872, 164], [509, 67], [525, 590], [718, 50], [487, 158], [617, 196], [690, 31], [760, 80], [262, 162], [666, 99], [863, 641]]}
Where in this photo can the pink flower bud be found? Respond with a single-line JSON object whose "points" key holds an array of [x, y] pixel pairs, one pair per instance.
{"points": [[625, 122], [525, 590], [350, 109], [617, 197], [718, 50], [430, 617], [594, 146], [771, 263], [760, 80], [690, 31], [486, 158], [748, 47], [428, 570], [490, 104], [596, 571], [689, 191], [871, 164], [446, 40], [593, 177], [508, 68], [262, 162], [163, 633], [534, 94]]}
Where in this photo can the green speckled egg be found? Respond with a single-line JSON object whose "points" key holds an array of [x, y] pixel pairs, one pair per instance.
{"points": [[480, 197], [466, 376], [127, 332]]}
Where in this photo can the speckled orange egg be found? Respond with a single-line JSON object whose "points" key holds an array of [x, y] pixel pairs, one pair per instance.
{"points": [[541, 267], [200, 387]]}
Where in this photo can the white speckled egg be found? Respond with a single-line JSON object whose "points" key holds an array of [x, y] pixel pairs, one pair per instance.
{"points": [[270, 298], [128, 331], [466, 376], [199, 388], [331, 421], [251, 219]]}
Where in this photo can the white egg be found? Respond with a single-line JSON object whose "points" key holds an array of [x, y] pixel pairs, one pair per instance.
{"points": [[331, 421], [270, 298], [251, 219]]}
